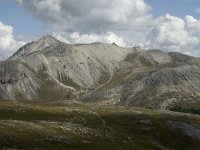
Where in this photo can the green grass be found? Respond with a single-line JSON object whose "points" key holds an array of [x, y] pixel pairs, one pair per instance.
{"points": [[76, 126]]}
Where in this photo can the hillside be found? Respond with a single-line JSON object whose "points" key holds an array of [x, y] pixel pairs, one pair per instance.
{"points": [[50, 70], [76, 126]]}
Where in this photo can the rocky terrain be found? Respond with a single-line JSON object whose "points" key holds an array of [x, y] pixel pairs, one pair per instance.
{"points": [[104, 74], [77, 126]]}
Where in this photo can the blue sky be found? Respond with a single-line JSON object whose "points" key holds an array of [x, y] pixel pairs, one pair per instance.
{"points": [[170, 25], [23, 21], [178, 8], [26, 24]]}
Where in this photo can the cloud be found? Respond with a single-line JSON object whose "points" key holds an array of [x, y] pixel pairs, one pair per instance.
{"points": [[8, 44], [77, 21], [89, 16], [126, 23], [113, 38], [172, 33], [77, 37]]}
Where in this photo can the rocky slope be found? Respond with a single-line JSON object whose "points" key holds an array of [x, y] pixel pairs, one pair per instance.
{"points": [[50, 70]]}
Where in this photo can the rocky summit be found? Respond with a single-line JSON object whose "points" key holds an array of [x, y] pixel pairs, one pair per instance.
{"points": [[102, 74]]}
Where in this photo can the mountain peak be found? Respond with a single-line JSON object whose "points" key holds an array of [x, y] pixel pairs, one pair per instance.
{"points": [[46, 41], [48, 38], [40, 44]]}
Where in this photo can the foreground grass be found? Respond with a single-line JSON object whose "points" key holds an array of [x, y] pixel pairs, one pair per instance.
{"points": [[74, 126]]}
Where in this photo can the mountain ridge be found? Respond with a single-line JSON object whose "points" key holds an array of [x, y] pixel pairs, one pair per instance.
{"points": [[101, 73]]}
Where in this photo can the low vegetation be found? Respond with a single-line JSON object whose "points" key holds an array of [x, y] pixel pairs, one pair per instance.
{"points": [[77, 126]]}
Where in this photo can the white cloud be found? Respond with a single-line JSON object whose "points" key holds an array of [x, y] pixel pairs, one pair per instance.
{"points": [[172, 33], [113, 38], [8, 44], [77, 37], [77, 21], [89, 16]]}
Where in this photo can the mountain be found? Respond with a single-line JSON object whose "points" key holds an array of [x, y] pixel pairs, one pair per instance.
{"points": [[102, 74]]}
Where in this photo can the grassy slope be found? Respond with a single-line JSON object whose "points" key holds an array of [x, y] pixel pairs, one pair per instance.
{"points": [[25, 125]]}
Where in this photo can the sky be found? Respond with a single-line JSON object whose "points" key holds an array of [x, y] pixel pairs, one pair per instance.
{"points": [[169, 25]]}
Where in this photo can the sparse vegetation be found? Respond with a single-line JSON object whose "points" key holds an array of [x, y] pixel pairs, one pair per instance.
{"points": [[76, 126]]}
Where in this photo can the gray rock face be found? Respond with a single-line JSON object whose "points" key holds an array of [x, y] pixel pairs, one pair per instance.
{"points": [[107, 74]]}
